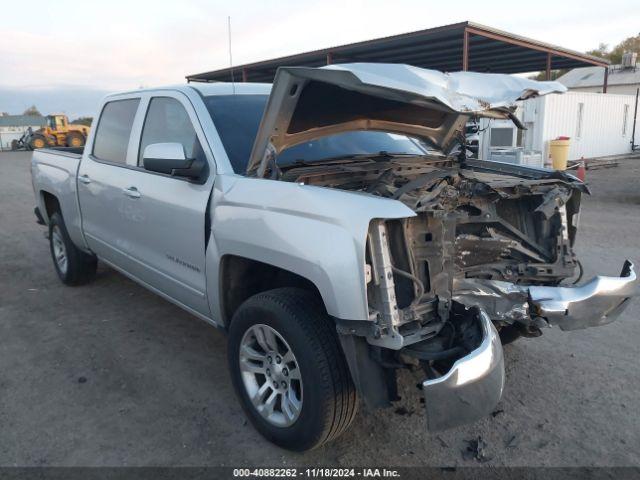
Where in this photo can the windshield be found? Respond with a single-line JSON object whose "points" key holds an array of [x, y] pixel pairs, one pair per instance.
{"points": [[237, 118]]}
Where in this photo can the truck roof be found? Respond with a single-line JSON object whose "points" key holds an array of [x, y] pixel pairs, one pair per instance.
{"points": [[206, 89], [225, 88]]}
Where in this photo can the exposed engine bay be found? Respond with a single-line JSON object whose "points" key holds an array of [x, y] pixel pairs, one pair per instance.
{"points": [[474, 224]]}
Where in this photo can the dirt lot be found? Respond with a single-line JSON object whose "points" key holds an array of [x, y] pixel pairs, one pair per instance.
{"points": [[110, 374]]}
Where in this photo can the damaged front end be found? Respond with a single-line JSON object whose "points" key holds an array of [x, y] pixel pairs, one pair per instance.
{"points": [[480, 237], [488, 251], [485, 254]]}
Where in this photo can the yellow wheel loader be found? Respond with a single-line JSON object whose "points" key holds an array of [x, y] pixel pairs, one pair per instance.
{"points": [[57, 133]]}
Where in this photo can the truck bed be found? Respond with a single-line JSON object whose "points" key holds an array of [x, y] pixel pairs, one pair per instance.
{"points": [[54, 175], [74, 152]]}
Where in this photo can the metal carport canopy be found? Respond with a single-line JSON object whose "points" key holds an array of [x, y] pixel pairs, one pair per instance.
{"points": [[460, 46]]}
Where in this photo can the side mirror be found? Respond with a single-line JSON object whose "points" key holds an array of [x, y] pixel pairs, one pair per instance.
{"points": [[170, 159]]}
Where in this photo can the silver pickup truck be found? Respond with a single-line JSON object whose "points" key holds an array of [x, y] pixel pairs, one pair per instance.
{"points": [[333, 225]]}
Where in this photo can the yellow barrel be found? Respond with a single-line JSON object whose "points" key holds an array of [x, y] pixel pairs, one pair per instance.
{"points": [[559, 152]]}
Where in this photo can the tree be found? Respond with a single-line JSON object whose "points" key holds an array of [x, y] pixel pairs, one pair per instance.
{"points": [[631, 44], [602, 51], [32, 111], [83, 121], [554, 74]]}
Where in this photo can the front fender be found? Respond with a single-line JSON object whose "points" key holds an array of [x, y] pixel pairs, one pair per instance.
{"points": [[317, 233]]}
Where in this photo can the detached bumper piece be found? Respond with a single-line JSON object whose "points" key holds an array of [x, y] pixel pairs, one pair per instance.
{"points": [[598, 302], [471, 389]]}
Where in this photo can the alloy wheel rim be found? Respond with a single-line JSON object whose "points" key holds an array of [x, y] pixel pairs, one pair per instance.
{"points": [[271, 375], [59, 250]]}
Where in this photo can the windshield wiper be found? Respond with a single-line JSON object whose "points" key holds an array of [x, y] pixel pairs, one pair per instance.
{"points": [[376, 157]]}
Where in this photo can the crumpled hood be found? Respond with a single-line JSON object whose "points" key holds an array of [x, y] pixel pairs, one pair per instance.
{"points": [[308, 103]]}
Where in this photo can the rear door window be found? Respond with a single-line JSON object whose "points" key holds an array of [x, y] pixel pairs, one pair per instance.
{"points": [[167, 121], [114, 130]]}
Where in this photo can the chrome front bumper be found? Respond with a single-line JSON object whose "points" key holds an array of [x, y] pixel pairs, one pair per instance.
{"points": [[473, 386], [598, 302]]}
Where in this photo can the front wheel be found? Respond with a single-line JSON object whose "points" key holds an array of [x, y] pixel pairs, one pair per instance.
{"points": [[37, 141], [288, 369]]}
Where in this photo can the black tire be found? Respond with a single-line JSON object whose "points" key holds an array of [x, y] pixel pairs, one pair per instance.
{"points": [[38, 141], [14, 145], [80, 267], [329, 400], [509, 334], [75, 139]]}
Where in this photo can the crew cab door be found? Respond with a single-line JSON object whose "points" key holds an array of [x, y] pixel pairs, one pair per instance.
{"points": [[160, 237], [102, 176]]}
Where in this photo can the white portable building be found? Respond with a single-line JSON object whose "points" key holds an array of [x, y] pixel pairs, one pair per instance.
{"points": [[12, 127], [597, 124]]}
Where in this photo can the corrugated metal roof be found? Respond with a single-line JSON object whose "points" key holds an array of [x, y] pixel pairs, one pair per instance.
{"points": [[594, 77], [22, 121], [439, 48]]}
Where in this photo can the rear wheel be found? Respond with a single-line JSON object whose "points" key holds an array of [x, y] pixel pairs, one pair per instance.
{"points": [[75, 139], [289, 371], [73, 266]]}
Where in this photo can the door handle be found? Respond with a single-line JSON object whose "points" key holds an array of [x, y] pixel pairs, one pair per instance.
{"points": [[131, 192], [84, 179]]}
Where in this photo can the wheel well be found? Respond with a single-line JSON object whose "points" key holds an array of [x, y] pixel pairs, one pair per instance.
{"points": [[241, 278], [51, 204]]}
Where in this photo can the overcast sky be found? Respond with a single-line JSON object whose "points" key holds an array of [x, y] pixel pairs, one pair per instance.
{"points": [[63, 55]]}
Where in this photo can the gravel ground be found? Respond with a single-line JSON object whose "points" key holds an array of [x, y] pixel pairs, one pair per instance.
{"points": [[110, 374]]}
